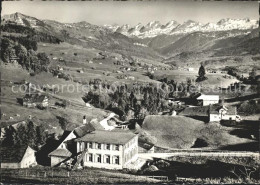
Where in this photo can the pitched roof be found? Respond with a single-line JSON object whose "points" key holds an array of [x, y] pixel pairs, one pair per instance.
{"points": [[34, 97], [95, 123], [195, 111], [13, 154], [214, 109], [208, 97], [61, 152], [109, 137], [83, 130]]}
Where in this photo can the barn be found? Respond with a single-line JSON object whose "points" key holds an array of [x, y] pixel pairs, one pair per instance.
{"points": [[17, 157]]}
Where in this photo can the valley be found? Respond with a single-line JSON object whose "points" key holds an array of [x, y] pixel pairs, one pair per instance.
{"points": [[145, 80]]}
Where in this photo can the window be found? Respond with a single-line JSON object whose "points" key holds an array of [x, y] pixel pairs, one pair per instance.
{"points": [[108, 147], [108, 159], [98, 158], [90, 157], [116, 159], [90, 145], [117, 147], [99, 146]]}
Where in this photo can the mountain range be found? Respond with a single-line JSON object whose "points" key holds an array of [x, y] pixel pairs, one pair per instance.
{"points": [[160, 42], [155, 28]]}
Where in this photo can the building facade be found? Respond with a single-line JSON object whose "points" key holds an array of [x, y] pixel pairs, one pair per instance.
{"points": [[33, 100], [108, 149], [17, 157], [218, 113], [205, 100]]}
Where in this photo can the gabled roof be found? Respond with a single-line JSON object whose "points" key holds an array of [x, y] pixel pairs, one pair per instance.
{"points": [[108, 137], [208, 97], [195, 111], [61, 152], [83, 130], [34, 97], [13, 154]]}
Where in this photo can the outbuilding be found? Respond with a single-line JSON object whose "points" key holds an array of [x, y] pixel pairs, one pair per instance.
{"points": [[17, 157]]}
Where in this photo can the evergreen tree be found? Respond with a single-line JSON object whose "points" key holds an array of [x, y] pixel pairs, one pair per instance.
{"points": [[9, 136], [201, 73], [40, 135], [31, 131]]}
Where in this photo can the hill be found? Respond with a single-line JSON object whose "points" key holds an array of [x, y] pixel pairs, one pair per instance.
{"points": [[183, 132]]}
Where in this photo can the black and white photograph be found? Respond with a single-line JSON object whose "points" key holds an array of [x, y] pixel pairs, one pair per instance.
{"points": [[130, 92]]}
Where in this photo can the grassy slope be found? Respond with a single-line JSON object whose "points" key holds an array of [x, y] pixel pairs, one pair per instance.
{"points": [[182, 132], [47, 117], [214, 80], [97, 69]]}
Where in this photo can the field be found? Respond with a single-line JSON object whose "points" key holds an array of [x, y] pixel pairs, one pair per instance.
{"points": [[214, 81], [93, 67], [226, 170], [73, 113], [182, 132], [60, 176]]}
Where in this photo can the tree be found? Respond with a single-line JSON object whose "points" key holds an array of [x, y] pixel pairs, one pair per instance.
{"points": [[40, 135], [21, 53], [22, 135], [201, 73], [252, 74], [31, 131], [6, 49], [9, 136], [44, 61]]}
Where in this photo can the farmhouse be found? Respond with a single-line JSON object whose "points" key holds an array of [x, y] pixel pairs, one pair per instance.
{"points": [[207, 99], [108, 149], [64, 147], [17, 157], [218, 112], [33, 100]]}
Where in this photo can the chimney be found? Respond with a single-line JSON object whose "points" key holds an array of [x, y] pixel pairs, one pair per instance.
{"points": [[84, 120]]}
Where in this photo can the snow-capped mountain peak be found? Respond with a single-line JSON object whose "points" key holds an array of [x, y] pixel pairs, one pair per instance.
{"points": [[155, 28]]}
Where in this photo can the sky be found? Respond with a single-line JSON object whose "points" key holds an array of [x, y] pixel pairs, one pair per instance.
{"points": [[133, 12]]}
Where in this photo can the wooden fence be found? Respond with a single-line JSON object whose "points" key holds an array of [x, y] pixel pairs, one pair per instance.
{"points": [[31, 174]]}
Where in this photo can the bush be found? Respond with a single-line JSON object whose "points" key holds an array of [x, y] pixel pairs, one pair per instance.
{"points": [[248, 108]]}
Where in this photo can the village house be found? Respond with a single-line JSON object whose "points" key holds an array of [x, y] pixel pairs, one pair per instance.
{"points": [[59, 155], [64, 147], [108, 149], [17, 157], [205, 100], [218, 113], [33, 100]]}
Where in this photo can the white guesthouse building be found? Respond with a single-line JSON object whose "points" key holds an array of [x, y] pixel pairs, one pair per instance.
{"points": [[205, 100], [108, 149]]}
